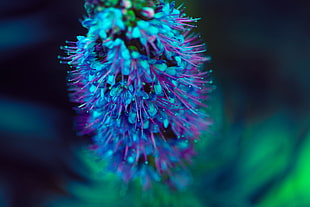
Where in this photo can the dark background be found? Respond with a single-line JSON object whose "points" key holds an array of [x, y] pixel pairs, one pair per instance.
{"points": [[255, 156]]}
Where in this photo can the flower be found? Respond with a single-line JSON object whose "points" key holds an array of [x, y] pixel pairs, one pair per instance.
{"points": [[137, 77]]}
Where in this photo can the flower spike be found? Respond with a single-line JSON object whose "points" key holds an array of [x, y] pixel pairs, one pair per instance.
{"points": [[137, 79]]}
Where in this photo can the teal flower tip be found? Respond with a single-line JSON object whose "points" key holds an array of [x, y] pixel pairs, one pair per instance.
{"points": [[137, 77]]}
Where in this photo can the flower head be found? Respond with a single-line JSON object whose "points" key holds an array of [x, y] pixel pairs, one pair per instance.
{"points": [[137, 79]]}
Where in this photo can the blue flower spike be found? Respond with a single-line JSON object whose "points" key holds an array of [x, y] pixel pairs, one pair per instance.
{"points": [[138, 82]]}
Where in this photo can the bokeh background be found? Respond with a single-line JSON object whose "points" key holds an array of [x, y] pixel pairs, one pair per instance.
{"points": [[257, 153]]}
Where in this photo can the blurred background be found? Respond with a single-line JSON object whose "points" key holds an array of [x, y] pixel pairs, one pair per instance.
{"points": [[256, 154]]}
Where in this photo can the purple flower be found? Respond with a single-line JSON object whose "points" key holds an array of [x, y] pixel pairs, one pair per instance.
{"points": [[137, 77]]}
